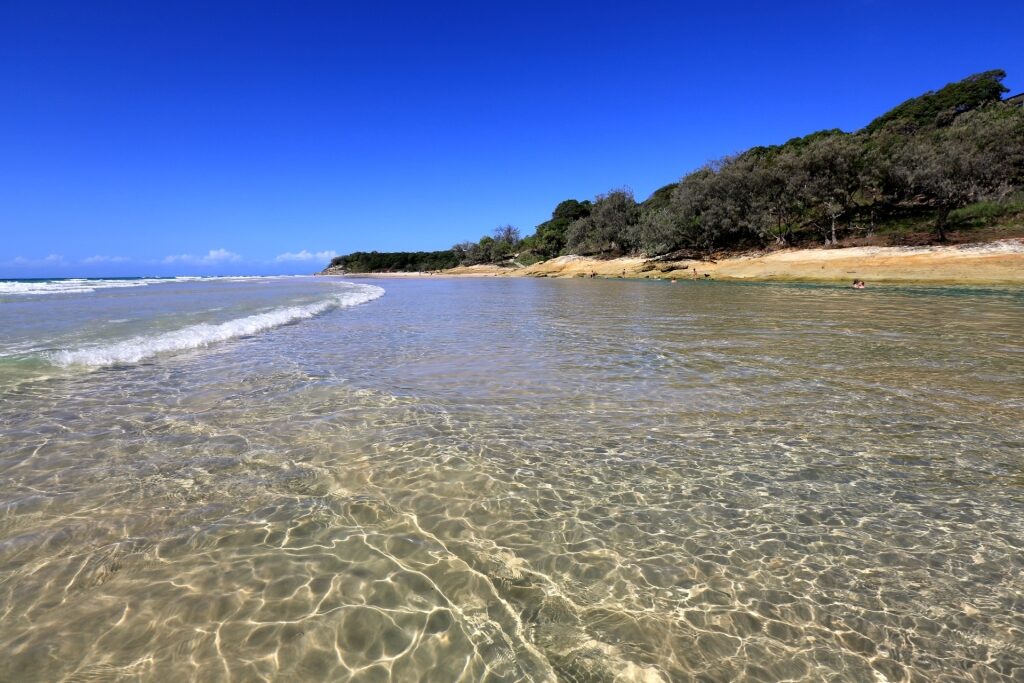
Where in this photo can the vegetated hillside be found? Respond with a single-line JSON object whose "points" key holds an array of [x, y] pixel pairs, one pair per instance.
{"points": [[947, 160]]}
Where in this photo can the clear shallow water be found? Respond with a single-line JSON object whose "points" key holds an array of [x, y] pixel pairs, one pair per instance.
{"points": [[520, 480]]}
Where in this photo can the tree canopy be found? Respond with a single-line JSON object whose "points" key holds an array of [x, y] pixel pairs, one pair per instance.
{"points": [[395, 261], [935, 109]]}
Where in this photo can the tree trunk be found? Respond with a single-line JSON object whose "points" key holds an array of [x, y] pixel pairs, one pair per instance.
{"points": [[834, 242], [940, 222]]}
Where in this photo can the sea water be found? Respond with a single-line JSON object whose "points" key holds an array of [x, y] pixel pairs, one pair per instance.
{"points": [[509, 479]]}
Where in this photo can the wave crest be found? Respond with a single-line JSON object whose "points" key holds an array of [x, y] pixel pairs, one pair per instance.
{"points": [[197, 336], [88, 285], [70, 286]]}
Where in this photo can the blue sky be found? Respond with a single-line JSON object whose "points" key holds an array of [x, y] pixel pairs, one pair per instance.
{"points": [[258, 137]]}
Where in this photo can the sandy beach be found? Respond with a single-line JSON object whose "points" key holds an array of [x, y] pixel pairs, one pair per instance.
{"points": [[990, 263]]}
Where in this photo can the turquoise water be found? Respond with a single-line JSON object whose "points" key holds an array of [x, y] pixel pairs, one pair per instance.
{"points": [[511, 479], [57, 326]]}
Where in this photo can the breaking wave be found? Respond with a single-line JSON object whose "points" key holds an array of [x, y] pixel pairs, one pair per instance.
{"points": [[202, 335], [71, 286], [87, 285]]}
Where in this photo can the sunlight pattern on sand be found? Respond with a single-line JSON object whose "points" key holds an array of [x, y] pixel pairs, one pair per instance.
{"points": [[506, 480]]}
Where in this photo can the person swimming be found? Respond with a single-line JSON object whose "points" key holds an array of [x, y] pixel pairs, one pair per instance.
{"points": [[858, 284]]}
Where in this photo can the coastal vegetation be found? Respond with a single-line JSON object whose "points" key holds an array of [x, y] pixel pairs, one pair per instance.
{"points": [[396, 261], [948, 159], [499, 246]]}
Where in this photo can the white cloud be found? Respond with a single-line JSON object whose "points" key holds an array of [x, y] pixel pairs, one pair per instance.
{"points": [[105, 259], [218, 255], [306, 256], [50, 260], [212, 257]]}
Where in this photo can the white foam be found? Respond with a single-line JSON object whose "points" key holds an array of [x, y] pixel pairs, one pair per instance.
{"points": [[73, 286], [85, 285], [228, 278], [202, 335]]}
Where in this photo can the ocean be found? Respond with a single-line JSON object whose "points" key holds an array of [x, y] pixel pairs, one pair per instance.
{"points": [[509, 479]]}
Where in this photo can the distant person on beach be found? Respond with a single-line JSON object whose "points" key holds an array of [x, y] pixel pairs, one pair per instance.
{"points": [[858, 284]]}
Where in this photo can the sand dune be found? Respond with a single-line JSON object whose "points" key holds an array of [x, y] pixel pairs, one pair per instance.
{"points": [[999, 262], [989, 263]]}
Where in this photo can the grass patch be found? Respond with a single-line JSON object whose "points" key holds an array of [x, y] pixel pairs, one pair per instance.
{"points": [[983, 214]]}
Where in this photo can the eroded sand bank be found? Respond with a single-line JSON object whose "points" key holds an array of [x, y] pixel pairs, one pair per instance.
{"points": [[1000, 262]]}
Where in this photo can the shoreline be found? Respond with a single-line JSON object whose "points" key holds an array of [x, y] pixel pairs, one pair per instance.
{"points": [[999, 262]]}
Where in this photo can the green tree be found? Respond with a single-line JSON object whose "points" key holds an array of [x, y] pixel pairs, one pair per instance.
{"points": [[608, 227], [980, 156], [942, 107], [657, 230], [832, 171], [549, 238]]}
